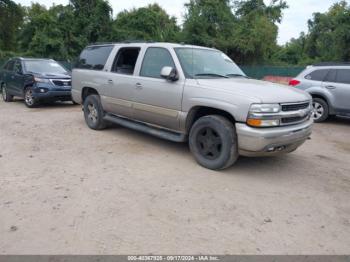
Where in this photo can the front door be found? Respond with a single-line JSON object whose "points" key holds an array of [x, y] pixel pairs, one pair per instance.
{"points": [[157, 101]]}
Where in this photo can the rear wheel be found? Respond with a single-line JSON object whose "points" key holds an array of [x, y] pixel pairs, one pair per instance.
{"points": [[320, 110], [93, 113], [213, 142], [29, 99], [5, 95]]}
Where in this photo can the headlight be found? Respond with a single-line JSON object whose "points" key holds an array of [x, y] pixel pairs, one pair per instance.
{"points": [[41, 80], [262, 115], [265, 108], [263, 123]]}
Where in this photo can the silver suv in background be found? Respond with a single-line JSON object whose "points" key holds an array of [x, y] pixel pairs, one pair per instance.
{"points": [[329, 86], [190, 93]]}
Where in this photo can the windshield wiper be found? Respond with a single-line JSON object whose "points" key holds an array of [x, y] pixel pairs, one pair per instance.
{"points": [[236, 75], [211, 74]]}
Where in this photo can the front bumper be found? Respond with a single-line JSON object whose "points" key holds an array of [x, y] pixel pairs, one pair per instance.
{"points": [[52, 95], [271, 141]]}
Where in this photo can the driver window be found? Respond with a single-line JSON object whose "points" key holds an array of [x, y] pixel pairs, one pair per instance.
{"points": [[155, 59]]}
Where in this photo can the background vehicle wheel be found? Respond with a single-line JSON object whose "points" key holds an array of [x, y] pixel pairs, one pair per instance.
{"points": [[213, 142], [93, 113], [29, 99], [320, 110], [5, 95]]}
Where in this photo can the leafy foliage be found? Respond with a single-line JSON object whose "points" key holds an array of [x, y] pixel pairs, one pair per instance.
{"points": [[328, 38], [146, 23]]}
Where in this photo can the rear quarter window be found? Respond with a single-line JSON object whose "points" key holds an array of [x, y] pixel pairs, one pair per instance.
{"points": [[94, 57], [317, 75]]}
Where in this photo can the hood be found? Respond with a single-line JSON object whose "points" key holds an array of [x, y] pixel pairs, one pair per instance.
{"points": [[266, 92], [53, 76]]}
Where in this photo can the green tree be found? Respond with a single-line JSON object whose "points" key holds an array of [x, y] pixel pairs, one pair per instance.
{"points": [[329, 34], [209, 23], [256, 30], [146, 23], [11, 18]]}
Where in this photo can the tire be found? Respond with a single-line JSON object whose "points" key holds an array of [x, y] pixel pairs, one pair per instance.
{"points": [[93, 113], [29, 100], [213, 142], [320, 110], [5, 95]]}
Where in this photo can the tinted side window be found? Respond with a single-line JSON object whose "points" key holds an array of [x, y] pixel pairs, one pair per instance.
{"points": [[125, 61], [343, 76], [18, 67], [331, 75], [155, 59], [94, 57], [10, 65], [318, 75]]}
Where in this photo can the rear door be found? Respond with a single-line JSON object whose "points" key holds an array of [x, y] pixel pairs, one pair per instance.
{"points": [[17, 79], [338, 84], [9, 76], [121, 81]]}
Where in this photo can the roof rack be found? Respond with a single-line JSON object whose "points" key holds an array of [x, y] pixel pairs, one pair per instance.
{"points": [[332, 64], [123, 42]]}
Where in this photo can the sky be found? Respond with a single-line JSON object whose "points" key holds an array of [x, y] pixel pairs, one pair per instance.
{"points": [[294, 18]]}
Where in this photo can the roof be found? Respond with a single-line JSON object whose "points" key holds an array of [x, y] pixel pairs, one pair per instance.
{"points": [[149, 43], [333, 64]]}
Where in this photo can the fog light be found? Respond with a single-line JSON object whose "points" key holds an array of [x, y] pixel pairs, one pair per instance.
{"points": [[42, 90]]}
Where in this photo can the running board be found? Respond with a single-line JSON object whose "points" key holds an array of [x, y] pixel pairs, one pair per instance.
{"points": [[138, 126]]}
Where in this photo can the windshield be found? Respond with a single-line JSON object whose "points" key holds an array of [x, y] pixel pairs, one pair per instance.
{"points": [[44, 67], [206, 63]]}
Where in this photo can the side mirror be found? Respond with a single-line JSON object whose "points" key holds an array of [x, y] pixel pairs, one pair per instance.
{"points": [[169, 73]]}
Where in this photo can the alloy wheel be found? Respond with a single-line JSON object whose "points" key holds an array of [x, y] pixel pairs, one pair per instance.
{"points": [[318, 110], [29, 99], [92, 113]]}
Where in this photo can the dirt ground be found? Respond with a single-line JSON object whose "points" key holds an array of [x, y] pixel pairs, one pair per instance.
{"points": [[66, 189]]}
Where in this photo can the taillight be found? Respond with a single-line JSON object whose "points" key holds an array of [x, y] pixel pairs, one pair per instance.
{"points": [[294, 82]]}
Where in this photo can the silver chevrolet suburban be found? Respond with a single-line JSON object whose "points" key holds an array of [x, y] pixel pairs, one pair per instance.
{"points": [[190, 93]]}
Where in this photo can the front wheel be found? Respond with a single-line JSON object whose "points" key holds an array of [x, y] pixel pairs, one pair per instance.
{"points": [[93, 113], [5, 95], [29, 99], [320, 110], [213, 142]]}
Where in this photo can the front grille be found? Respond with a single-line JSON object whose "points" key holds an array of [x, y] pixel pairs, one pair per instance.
{"points": [[295, 107], [62, 83], [293, 120]]}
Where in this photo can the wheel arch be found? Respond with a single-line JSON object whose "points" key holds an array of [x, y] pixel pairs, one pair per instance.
{"points": [[86, 91], [325, 98], [197, 112]]}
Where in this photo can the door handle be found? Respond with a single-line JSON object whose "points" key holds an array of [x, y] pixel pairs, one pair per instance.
{"points": [[138, 86], [330, 87], [110, 81], [12, 77]]}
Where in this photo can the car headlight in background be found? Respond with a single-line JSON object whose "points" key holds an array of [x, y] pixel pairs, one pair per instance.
{"points": [[262, 115], [41, 80]]}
